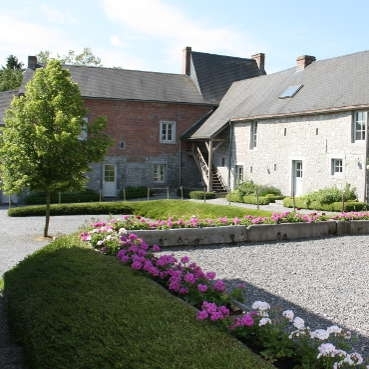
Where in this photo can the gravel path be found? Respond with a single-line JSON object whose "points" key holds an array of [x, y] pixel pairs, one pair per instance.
{"points": [[324, 280], [20, 237]]}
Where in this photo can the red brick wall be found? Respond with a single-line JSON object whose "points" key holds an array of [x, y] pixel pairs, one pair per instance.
{"points": [[138, 124]]}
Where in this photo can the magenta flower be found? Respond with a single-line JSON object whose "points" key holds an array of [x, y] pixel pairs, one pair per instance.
{"points": [[202, 287], [219, 286], [185, 259], [210, 275], [189, 278], [202, 315]]}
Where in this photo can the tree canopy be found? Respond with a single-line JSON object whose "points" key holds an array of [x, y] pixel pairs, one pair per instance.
{"points": [[86, 57], [42, 147], [11, 75]]}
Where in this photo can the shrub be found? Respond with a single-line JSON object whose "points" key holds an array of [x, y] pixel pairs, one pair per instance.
{"points": [[248, 189], [262, 200], [73, 209], [304, 203], [186, 192], [200, 195], [329, 195], [86, 195], [134, 192]]}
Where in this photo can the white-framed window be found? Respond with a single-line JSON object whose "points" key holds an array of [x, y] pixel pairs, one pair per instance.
{"points": [[336, 166], [167, 132], [239, 174], [159, 173], [84, 129], [359, 125], [253, 134]]}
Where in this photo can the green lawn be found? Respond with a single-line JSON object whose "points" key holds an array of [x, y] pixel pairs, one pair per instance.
{"points": [[72, 308], [156, 209]]}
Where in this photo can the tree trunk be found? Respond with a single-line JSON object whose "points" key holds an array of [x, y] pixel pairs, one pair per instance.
{"points": [[47, 214]]}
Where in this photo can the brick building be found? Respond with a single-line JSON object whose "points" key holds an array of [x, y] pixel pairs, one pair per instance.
{"points": [[148, 113]]}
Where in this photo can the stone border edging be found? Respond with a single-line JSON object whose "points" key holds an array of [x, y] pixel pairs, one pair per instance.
{"points": [[253, 233]]}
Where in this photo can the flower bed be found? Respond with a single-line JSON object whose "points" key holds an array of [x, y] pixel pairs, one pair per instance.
{"points": [[280, 337]]}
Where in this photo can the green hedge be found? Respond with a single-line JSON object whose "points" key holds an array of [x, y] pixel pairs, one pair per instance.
{"points": [[250, 199], [134, 192], [303, 203], [236, 196], [200, 195], [73, 209], [87, 195]]}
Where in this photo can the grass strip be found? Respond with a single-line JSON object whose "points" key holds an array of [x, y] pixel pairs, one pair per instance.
{"points": [[71, 307], [155, 209]]}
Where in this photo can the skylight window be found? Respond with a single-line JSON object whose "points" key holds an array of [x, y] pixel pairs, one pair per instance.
{"points": [[290, 91]]}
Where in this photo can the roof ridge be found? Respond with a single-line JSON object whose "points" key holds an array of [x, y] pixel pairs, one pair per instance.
{"points": [[123, 69], [223, 56]]}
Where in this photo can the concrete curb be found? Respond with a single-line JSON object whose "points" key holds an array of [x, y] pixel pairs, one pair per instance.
{"points": [[252, 233]]}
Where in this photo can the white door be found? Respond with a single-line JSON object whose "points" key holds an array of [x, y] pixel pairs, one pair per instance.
{"points": [[297, 177], [109, 180]]}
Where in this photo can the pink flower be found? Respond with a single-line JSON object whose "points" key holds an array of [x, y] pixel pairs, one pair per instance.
{"points": [[189, 278], [202, 287], [210, 275], [219, 286], [155, 248], [185, 259], [202, 315]]}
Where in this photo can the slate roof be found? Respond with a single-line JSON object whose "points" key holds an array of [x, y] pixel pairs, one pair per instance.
{"points": [[214, 73], [116, 83], [335, 84], [5, 100]]}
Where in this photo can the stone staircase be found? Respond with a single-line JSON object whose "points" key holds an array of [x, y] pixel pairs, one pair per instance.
{"points": [[11, 355]]}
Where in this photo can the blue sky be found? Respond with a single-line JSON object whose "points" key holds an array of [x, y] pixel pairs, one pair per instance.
{"points": [[150, 34]]}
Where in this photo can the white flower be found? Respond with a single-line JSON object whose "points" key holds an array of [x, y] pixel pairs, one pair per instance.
{"points": [[320, 334], [260, 305], [288, 314], [264, 321], [299, 323], [122, 231], [334, 329], [100, 242], [354, 359], [326, 349]]}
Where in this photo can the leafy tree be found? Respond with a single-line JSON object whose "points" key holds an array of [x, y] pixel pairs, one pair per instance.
{"points": [[86, 57], [41, 146], [11, 75], [13, 63]]}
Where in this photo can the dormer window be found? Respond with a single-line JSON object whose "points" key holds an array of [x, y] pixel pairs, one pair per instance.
{"points": [[290, 91]]}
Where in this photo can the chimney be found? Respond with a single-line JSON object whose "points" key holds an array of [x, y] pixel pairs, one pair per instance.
{"points": [[303, 61], [32, 62], [260, 61], [186, 63]]}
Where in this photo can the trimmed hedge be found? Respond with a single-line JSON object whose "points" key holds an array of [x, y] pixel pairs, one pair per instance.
{"points": [[303, 203], [250, 199], [73, 209], [134, 192], [200, 195], [36, 198], [236, 196]]}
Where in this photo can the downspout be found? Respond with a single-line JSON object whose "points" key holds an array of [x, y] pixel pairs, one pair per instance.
{"points": [[366, 164], [230, 149], [210, 166], [180, 163]]}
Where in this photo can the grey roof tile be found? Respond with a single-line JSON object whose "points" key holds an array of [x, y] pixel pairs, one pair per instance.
{"points": [[5, 100], [330, 84], [118, 83], [215, 73]]}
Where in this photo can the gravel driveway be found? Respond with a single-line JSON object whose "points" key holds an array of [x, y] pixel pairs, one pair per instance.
{"points": [[20, 237], [324, 280]]}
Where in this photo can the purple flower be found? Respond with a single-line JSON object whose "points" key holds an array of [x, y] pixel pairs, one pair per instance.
{"points": [[202, 287], [210, 275], [185, 259], [155, 248], [219, 286], [202, 315], [189, 278]]}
